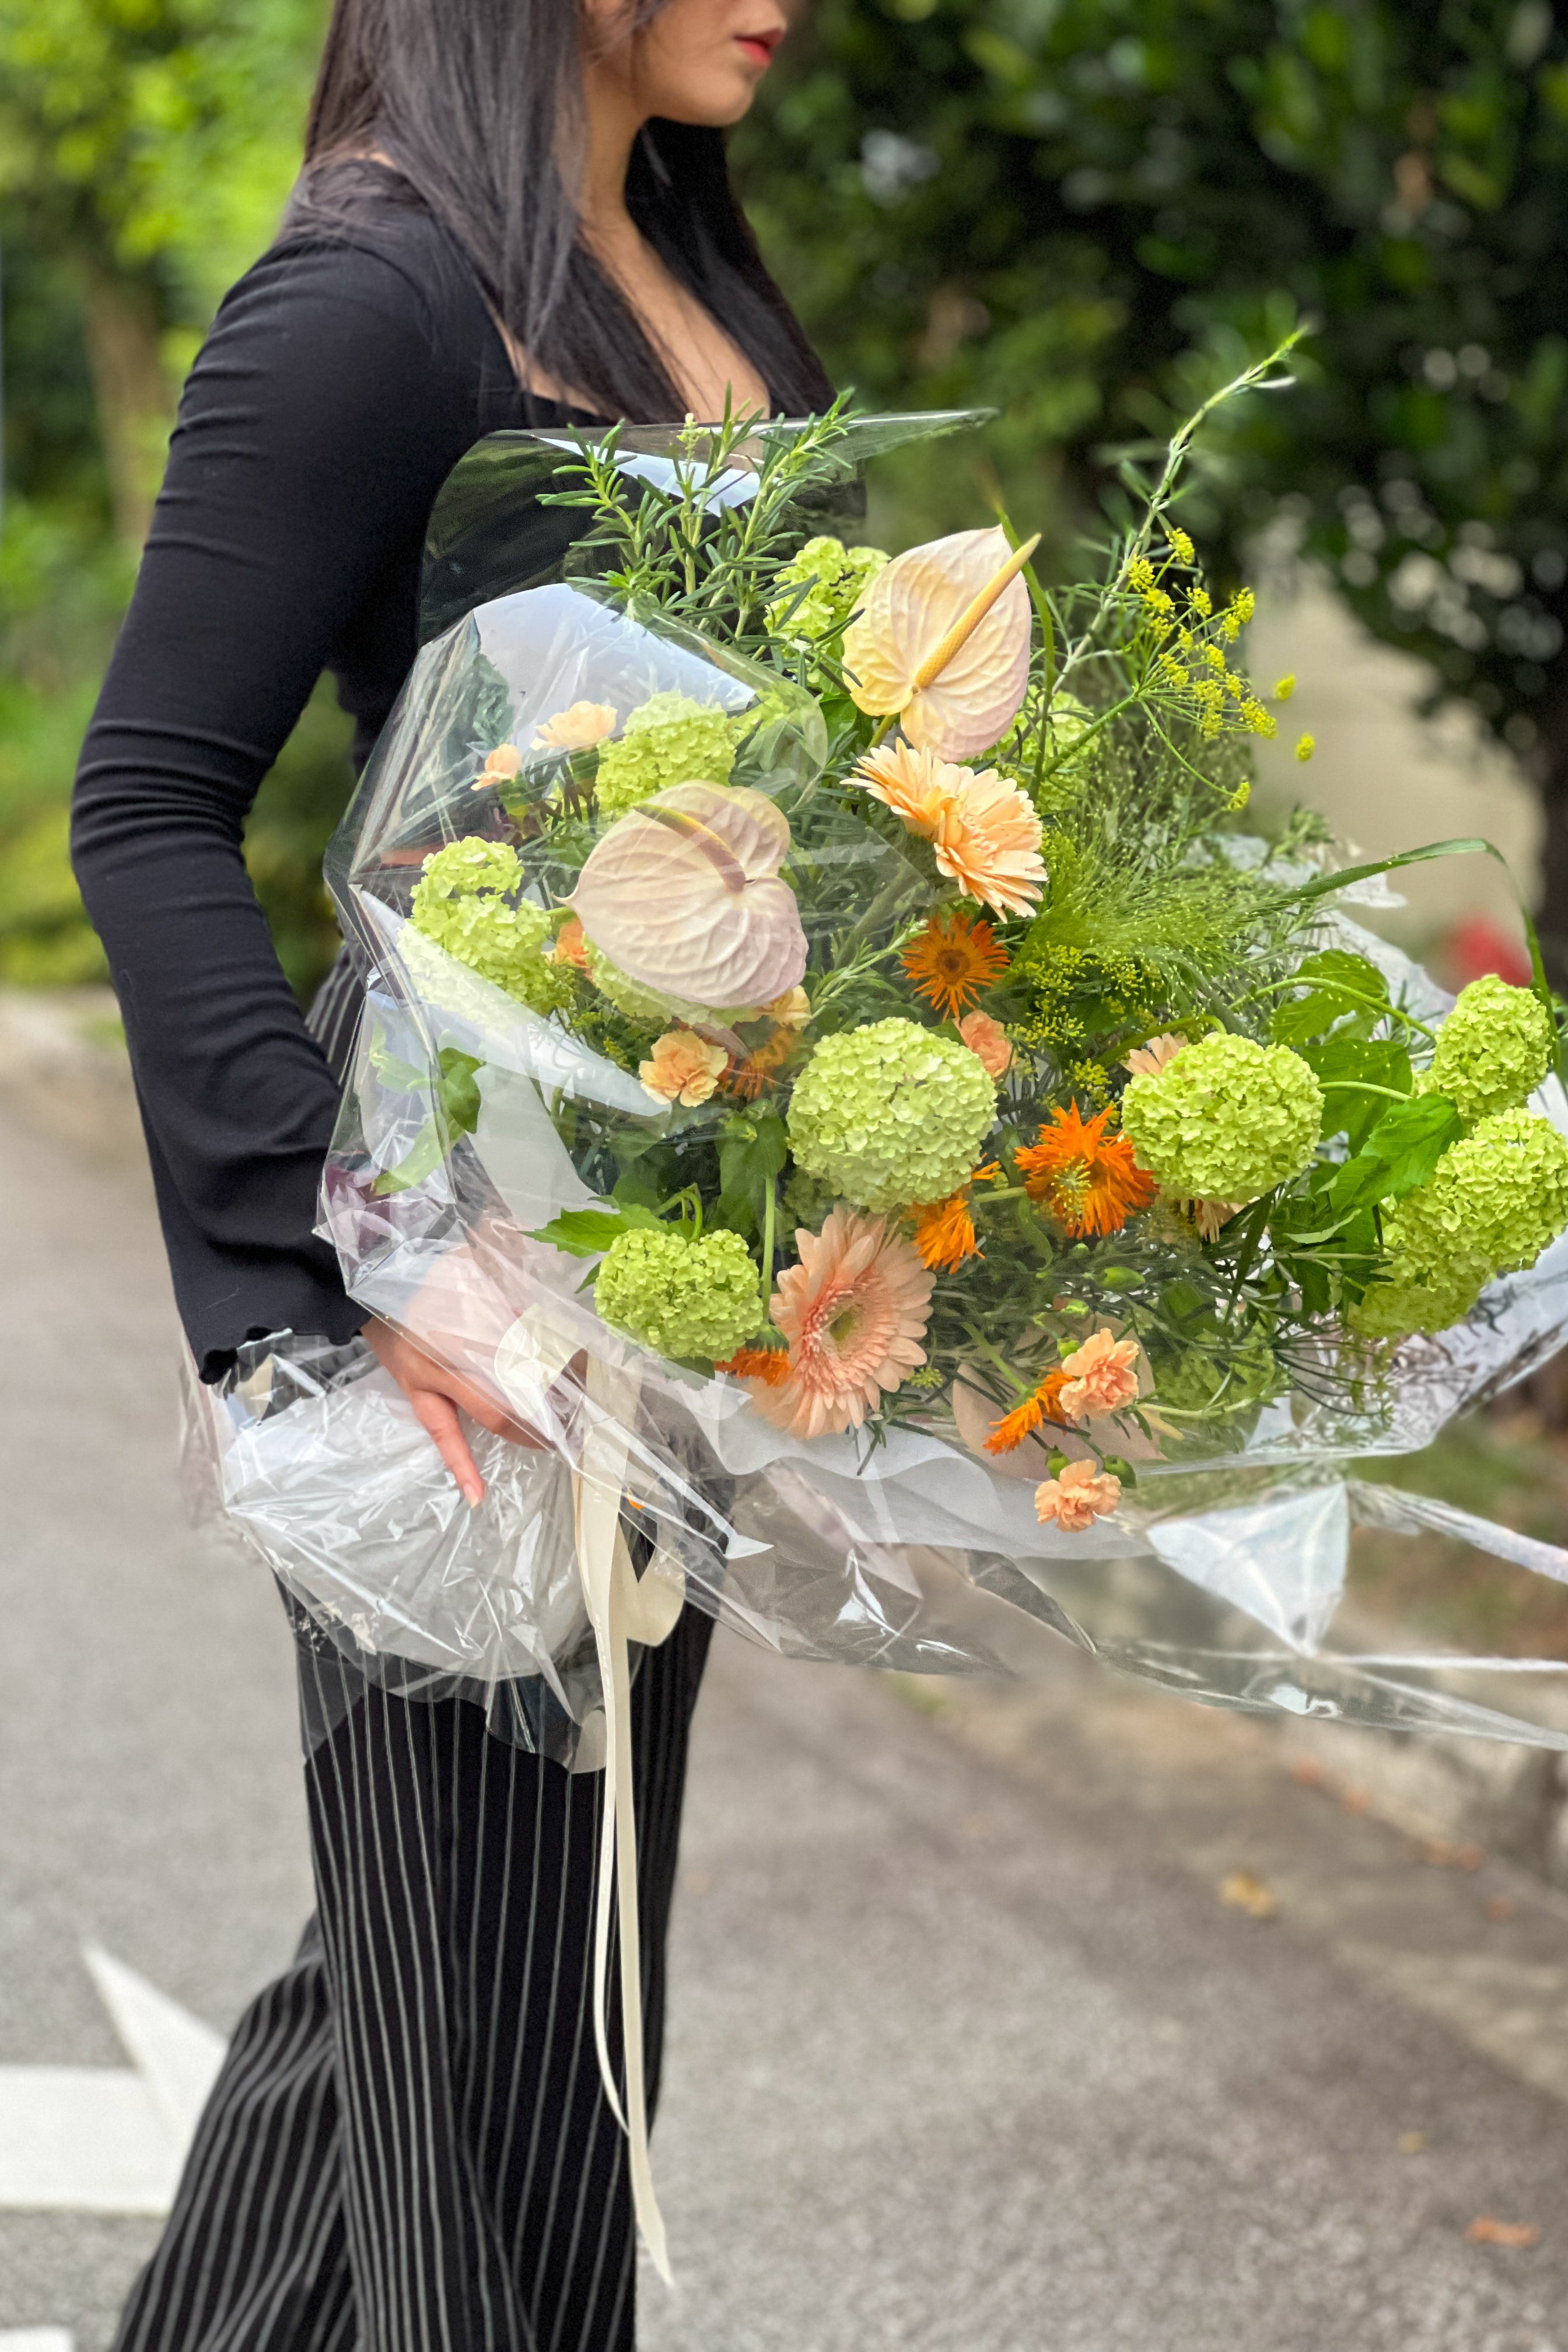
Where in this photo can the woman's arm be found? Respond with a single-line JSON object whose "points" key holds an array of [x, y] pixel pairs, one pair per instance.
{"points": [[318, 423]]}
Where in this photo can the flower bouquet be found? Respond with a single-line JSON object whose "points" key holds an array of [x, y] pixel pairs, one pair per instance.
{"points": [[838, 1065]]}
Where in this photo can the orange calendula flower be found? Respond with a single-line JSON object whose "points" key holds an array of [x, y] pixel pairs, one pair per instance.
{"points": [[953, 960], [769, 1365], [1026, 1418], [1088, 1179], [752, 1077], [944, 1233]]}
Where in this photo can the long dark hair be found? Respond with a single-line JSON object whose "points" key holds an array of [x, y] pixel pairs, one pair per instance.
{"points": [[479, 105]]}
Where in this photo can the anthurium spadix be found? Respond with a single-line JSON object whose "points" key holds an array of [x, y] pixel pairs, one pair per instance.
{"points": [[942, 642]]}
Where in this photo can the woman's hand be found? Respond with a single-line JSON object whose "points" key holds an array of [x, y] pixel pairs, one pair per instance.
{"points": [[437, 1395]]}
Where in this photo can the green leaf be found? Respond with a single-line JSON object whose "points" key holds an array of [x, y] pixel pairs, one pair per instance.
{"points": [[753, 1148], [1400, 1154], [1345, 1064], [588, 1233], [430, 1148], [457, 1091], [1338, 984]]}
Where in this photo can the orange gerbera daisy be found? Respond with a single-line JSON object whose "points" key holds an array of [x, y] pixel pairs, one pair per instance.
{"points": [[944, 1233], [1086, 1178], [953, 961], [1026, 1418], [770, 1365]]}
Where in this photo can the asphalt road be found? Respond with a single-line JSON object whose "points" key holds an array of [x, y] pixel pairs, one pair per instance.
{"points": [[967, 2051]]}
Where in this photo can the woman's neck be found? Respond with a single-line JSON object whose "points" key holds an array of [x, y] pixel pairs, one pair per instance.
{"points": [[612, 120]]}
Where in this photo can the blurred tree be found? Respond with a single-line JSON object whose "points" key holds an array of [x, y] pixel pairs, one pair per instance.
{"points": [[145, 146], [1082, 210]]}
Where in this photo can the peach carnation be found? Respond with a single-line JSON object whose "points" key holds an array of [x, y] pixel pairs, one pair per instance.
{"points": [[578, 729], [854, 1312], [499, 768], [988, 1039], [983, 829], [1081, 1493], [1143, 1061], [570, 945], [1102, 1376], [683, 1067]]}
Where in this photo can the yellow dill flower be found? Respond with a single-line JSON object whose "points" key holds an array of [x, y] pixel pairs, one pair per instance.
{"points": [[1215, 659], [1210, 725], [1244, 604], [1186, 641], [1235, 685], [1172, 671], [1208, 691], [1229, 627], [1241, 795], [1262, 722], [1201, 601], [1156, 601], [1180, 546], [1305, 748], [1284, 688], [1140, 575]]}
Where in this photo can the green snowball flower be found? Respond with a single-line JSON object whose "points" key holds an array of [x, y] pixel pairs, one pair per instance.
{"points": [[1225, 1120], [628, 995], [668, 739], [1493, 1050], [1497, 1198], [891, 1114], [679, 1297], [1403, 1303], [835, 578], [463, 903]]}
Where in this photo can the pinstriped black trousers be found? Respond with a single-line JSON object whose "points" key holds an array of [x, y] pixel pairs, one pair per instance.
{"points": [[408, 2148]]}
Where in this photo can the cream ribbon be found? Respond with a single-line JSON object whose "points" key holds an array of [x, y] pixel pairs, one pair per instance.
{"points": [[622, 1608]]}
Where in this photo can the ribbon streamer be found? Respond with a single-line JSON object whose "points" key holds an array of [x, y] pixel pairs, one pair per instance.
{"points": [[622, 1608]]}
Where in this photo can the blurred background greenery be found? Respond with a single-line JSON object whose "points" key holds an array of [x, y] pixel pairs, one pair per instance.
{"points": [[1082, 211]]}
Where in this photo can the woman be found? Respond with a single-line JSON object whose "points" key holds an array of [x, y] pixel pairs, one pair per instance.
{"points": [[510, 213]]}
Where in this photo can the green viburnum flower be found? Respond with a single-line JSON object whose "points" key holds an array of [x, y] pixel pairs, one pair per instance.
{"points": [[668, 739], [1225, 1119], [463, 903], [680, 1297], [835, 577], [1493, 1050], [1499, 1197], [1402, 1303], [628, 995], [891, 1114]]}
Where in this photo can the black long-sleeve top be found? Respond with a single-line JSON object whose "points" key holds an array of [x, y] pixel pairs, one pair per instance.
{"points": [[342, 382]]}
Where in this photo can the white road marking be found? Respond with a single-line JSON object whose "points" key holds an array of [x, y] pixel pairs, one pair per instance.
{"points": [[37, 2340], [100, 2139]]}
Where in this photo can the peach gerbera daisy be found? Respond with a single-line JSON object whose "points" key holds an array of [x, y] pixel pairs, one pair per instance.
{"points": [[1045, 1404], [1145, 1061], [854, 1312], [953, 960], [983, 829], [1079, 1494], [1088, 1179], [944, 1233]]}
